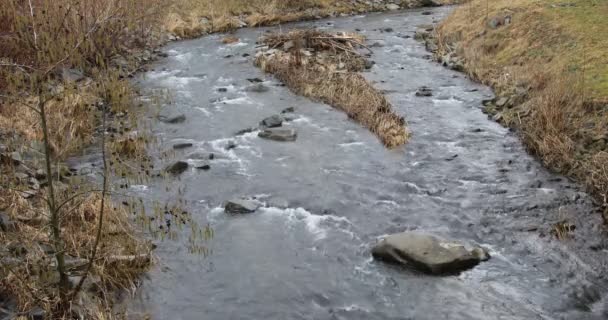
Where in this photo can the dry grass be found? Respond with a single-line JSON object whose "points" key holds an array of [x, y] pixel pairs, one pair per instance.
{"points": [[30, 280], [556, 52], [320, 76], [191, 18]]}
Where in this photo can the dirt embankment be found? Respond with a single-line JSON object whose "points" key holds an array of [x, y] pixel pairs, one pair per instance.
{"points": [[548, 64]]}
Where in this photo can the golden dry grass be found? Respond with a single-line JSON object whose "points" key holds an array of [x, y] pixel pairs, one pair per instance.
{"points": [[558, 53], [191, 18], [318, 77], [30, 282]]}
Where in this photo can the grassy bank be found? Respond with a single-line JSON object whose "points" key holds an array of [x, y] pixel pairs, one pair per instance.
{"points": [[548, 63], [191, 18]]}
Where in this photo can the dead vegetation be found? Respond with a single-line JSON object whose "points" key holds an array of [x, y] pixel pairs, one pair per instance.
{"points": [[547, 63], [29, 275], [191, 18], [325, 67]]}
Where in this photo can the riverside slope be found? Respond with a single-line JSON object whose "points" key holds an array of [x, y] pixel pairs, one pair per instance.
{"points": [[332, 193]]}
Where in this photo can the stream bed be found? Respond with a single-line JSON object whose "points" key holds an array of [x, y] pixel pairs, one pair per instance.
{"points": [[335, 191]]}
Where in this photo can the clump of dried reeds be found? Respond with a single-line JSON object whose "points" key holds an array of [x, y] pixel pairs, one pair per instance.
{"points": [[324, 66]]}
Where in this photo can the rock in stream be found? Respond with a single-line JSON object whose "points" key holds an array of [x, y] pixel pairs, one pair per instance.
{"points": [[428, 253]]}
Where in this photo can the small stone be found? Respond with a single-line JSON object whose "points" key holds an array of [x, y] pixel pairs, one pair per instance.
{"points": [[173, 120], [369, 64], [241, 206], [177, 168], [36, 313], [222, 90], [244, 131], [501, 102], [230, 145], [40, 174], [283, 135], [255, 80], [378, 44], [258, 88], [180, 146], [272, 122], [203, 166], [388, 30], [6, 224], [288, 110], [288, 45], [392, 7], [426, 13], [424, 91], [71, 75]]}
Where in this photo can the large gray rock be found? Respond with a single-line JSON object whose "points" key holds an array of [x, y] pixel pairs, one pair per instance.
{"points": [[279, 134], [241, 206], [428, 253]]}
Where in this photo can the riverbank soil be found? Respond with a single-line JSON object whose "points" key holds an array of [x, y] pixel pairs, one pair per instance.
{"points": [[548, 64]]}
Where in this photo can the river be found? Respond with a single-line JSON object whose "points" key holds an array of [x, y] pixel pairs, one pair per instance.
{"points": [[335, 191]]}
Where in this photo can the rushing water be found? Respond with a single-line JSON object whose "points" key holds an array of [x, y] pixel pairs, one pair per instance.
{"points": [[331, 194]]}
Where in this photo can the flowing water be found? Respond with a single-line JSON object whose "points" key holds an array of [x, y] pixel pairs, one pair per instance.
{"points": [[336, 190]]}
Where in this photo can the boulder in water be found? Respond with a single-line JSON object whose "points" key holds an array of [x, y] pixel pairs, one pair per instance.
{"points": [[279, 134], [241, 206], [428, 253]]}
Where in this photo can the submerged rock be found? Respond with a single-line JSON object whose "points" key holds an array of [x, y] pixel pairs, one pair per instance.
{"points": [[244, 131], [272, 122], [172, 120], [424, 91], [279, 134], [180, 146], [241, 206], [177, 168], [258, 87], [428, 253]]}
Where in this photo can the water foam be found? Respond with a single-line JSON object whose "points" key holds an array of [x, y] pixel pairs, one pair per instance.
{"points": [[315, 224]]}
